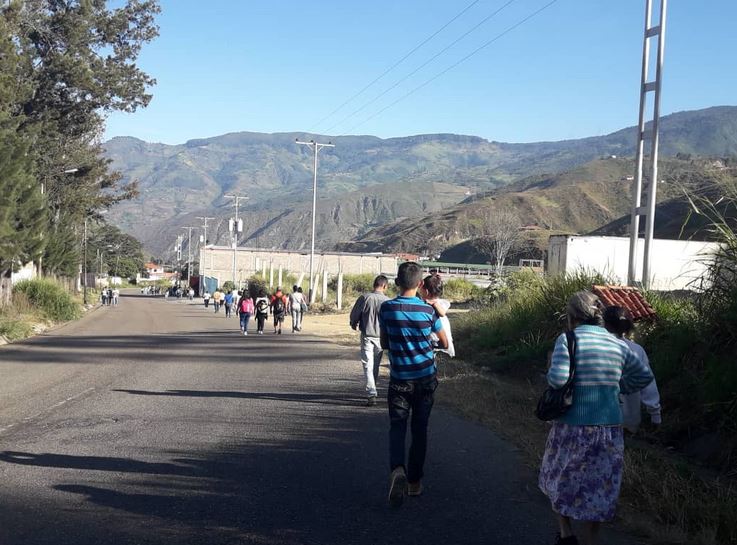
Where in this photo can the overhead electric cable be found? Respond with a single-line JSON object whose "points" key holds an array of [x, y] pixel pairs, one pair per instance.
{"points": [[400, 61], [449, 68], [423, 65]]}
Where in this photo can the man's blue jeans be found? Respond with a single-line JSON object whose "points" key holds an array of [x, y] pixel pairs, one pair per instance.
{"points": [[410, 399]]}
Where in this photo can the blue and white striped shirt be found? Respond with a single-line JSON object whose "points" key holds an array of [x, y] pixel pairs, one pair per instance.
{"points": [[605, 366], [407, 323]]}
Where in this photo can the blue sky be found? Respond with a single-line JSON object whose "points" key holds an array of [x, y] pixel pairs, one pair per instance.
{"points": [[572, 71]]}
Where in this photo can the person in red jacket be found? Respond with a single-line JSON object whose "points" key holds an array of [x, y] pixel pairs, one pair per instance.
{"points": [[278, 309]]}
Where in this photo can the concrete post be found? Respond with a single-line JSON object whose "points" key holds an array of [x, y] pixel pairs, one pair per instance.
{"points": [[263, 270], [300, 279], [340, 291], [325, 286], [271, 275], [279, 277]]}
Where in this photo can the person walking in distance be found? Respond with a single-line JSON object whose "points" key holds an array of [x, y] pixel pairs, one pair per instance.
{"points": [[406, 324], [206, 298], [228, 300], [262, 311], [294, 307], [365, 317], [217, 298], [278, 309], [246, 309]]}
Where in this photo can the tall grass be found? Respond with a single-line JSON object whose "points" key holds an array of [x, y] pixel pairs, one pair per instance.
{"points": [[523, 321], [50, 298]]}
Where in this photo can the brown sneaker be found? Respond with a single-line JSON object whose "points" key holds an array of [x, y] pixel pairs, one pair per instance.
{"points": [[397, 486], [414, 489]]}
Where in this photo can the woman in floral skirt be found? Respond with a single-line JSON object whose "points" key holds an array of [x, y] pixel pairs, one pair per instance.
{"points": [[582, 466]]}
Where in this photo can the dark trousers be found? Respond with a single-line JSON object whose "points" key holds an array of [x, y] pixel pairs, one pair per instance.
{"points": [[410, 399], [260, 319]]}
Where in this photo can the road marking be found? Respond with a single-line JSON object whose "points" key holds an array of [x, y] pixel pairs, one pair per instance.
{"points": [[47, 410]]}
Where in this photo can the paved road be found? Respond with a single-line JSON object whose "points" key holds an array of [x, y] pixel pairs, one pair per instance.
{"points": [[156, 422]]}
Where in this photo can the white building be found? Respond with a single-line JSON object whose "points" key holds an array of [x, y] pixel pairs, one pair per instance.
{"points": [[675, 264], [217, 262]]}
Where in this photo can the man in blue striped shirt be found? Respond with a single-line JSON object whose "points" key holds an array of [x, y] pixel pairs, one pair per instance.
{"points": [[406, 324]]}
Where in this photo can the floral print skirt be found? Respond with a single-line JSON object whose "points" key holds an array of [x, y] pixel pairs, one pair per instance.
{"points": [[581, 471]]}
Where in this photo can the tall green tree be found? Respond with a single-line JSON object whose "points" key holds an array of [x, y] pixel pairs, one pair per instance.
{"points": [[22, 208], [78, 58]]}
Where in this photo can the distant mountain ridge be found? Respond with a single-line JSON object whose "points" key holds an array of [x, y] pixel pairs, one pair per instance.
{"points": [[182, 181]]}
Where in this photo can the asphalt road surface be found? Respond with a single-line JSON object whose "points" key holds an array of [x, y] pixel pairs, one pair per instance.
{"points": [[157, 422]]}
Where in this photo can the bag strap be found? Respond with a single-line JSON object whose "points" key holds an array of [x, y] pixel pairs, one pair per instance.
{"points": [[572, 346]]}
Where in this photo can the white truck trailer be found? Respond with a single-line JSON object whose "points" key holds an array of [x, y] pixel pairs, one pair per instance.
{"points": [[676, 264]]}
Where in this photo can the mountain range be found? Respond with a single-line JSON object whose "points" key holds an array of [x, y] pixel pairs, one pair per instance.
{"points": [[382, 194]]}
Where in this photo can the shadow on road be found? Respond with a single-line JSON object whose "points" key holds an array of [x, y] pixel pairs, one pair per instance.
{"points": [[321, 399]]}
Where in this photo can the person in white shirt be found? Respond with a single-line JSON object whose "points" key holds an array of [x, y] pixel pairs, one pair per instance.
{"points": [[619, 323]]}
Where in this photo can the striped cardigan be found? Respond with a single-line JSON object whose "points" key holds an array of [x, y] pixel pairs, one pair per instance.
{"points": [[605, 366]]}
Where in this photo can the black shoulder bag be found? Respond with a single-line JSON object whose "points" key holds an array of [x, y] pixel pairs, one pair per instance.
{"points": [[555, 402]]}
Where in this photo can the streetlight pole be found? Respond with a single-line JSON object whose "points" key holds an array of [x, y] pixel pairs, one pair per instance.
{"points": [[237, 226], [316, 147], [189, 252], [203, 265]]}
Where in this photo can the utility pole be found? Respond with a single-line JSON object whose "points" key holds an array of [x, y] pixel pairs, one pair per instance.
{"points": [[235, 226], [651, 32], [178, 250], [203, 240], [189, 252], [316, 147], [84, 272]]}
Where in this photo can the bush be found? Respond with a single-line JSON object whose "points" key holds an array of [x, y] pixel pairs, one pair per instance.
{"points": [[54, 302], [459, 289], [523, 321]]}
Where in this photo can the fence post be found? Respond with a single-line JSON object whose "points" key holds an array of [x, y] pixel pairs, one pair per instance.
{"points": [[279, 283], [340, 291], [300, 279], [271, 275], [325, 286]]}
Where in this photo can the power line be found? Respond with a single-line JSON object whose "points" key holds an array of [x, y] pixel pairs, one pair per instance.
{"points": [[449, 68], [393, 66], [423, 65]]}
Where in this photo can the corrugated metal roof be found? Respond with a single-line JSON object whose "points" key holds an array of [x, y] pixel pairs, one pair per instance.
{"points": [[627, 297]]}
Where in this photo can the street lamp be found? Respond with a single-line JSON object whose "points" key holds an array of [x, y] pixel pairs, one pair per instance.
{"points": [[316, 147]]}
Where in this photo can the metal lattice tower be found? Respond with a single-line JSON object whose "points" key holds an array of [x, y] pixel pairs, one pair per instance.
{"points": [[647, 191]]}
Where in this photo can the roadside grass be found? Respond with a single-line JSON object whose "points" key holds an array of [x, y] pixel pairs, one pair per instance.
{"points": [[49, 298], [36, 305]]}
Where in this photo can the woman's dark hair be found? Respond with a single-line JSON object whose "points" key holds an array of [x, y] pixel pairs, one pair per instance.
{"points": [[433, 285], [618, 320], [261, 293], [299, 289]]}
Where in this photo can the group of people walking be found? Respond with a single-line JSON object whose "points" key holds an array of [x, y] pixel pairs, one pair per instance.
{"points": [[259, 305], [109, 296], [582, 468]]}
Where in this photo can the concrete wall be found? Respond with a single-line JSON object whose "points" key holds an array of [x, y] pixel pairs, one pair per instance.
{"points": [[676, 264], [26, 273], [217, 261]]}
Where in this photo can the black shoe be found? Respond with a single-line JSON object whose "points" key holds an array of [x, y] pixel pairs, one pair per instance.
{"points": [[570, 540], [397, 487]]}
